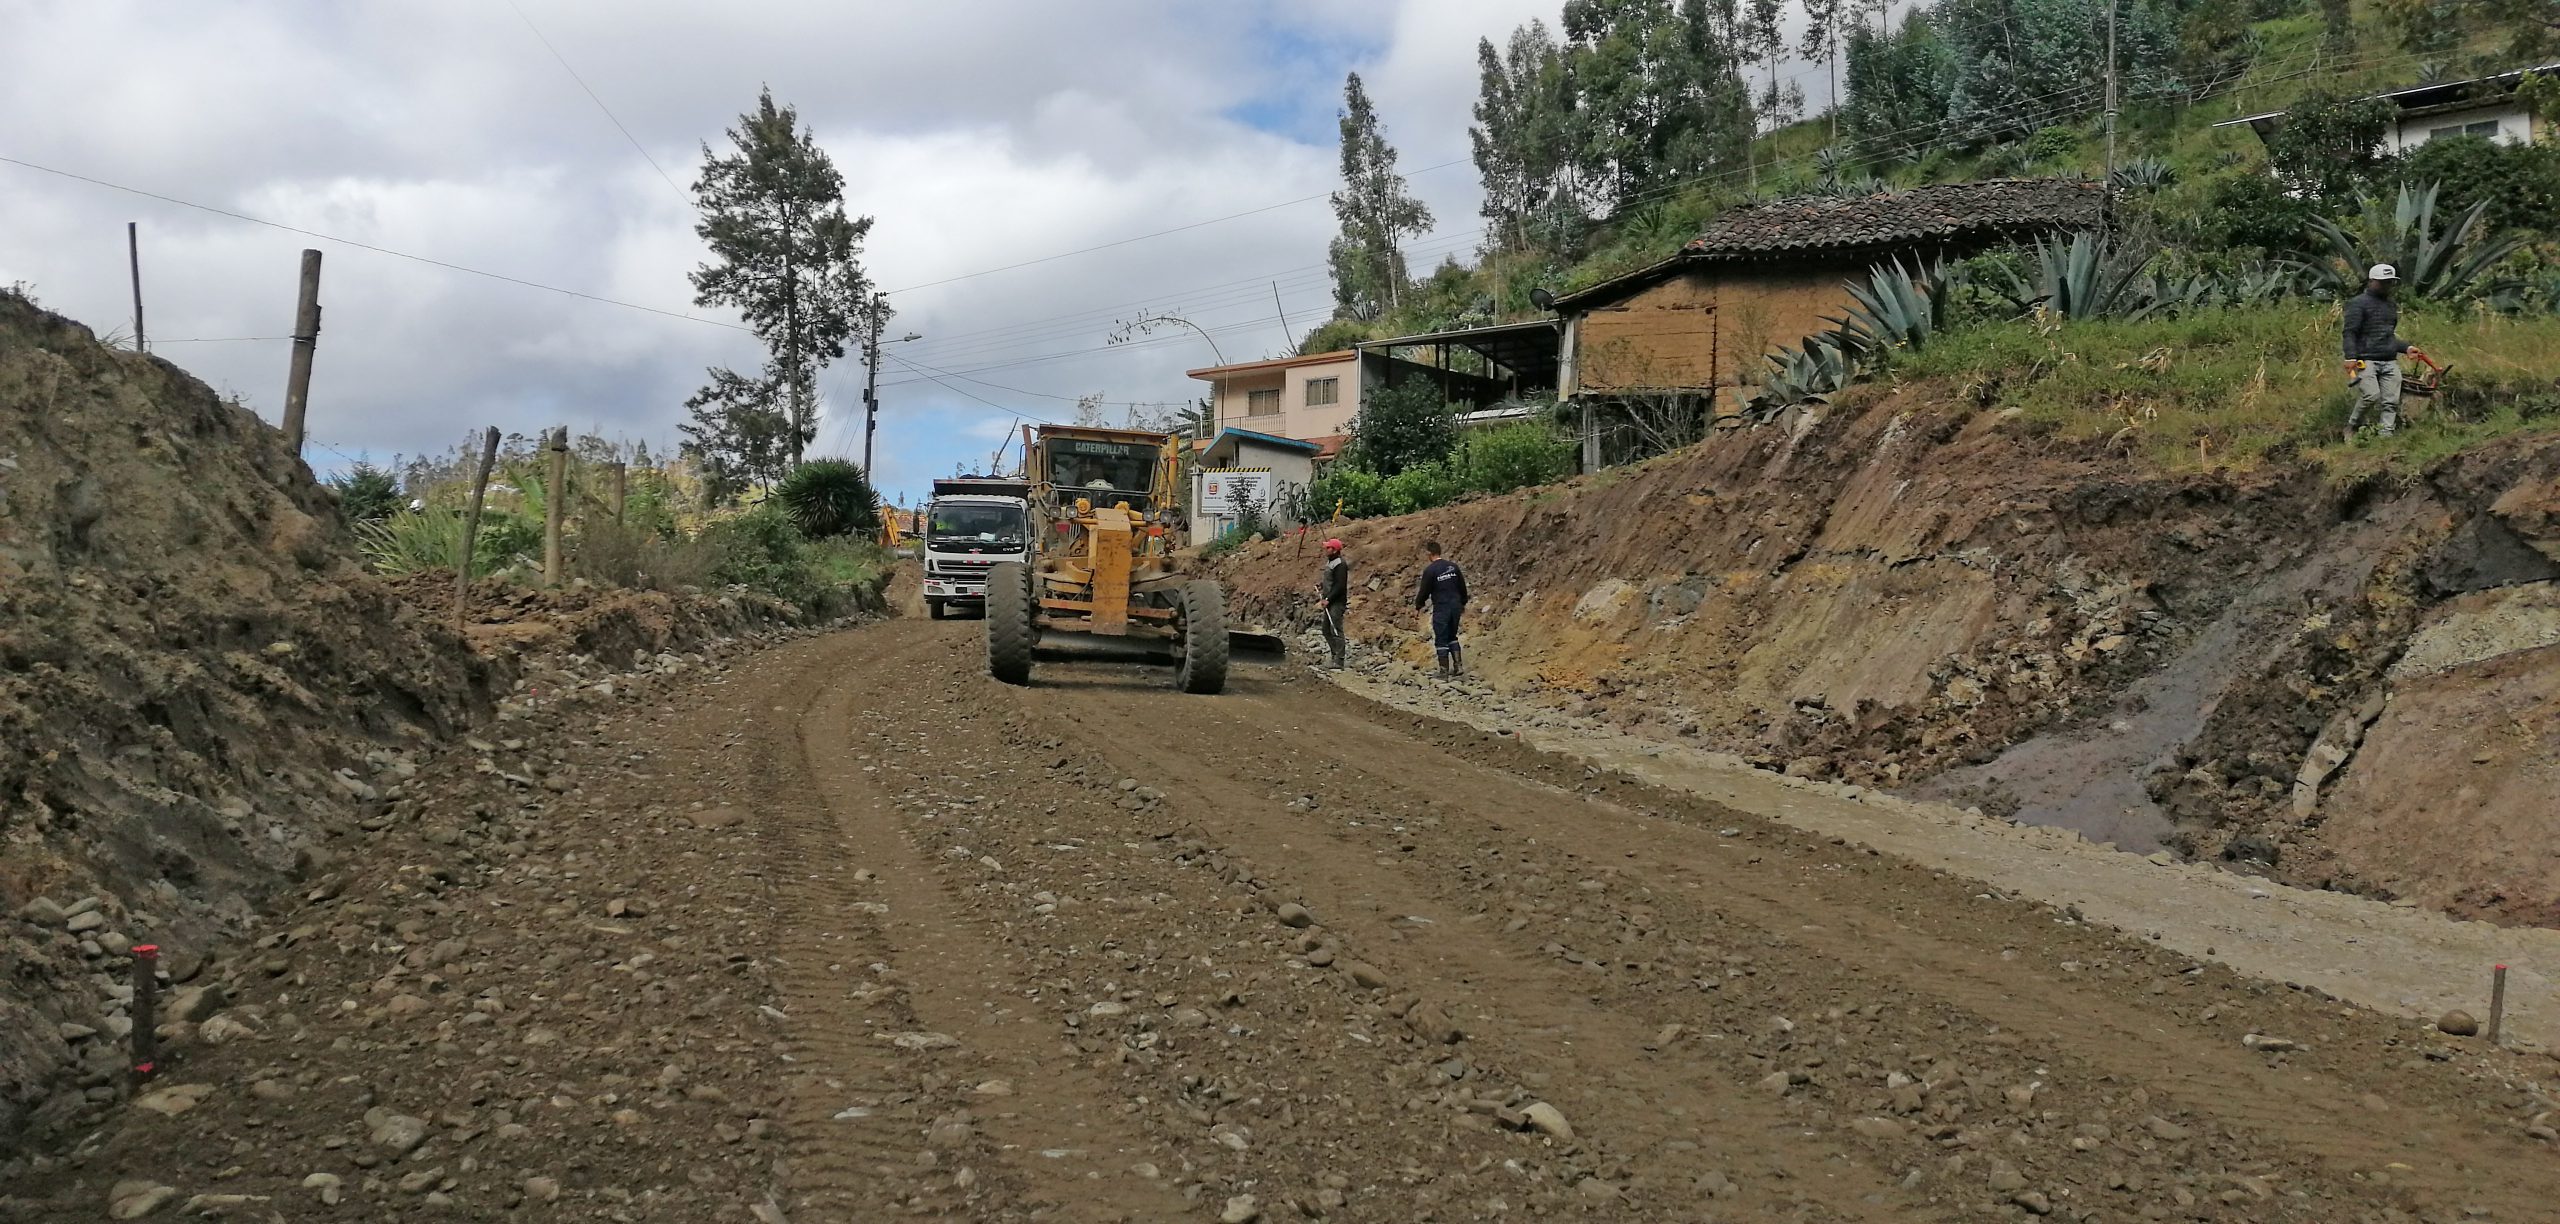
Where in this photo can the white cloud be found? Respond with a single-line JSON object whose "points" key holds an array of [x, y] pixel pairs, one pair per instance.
{"points": [[979, 134]]}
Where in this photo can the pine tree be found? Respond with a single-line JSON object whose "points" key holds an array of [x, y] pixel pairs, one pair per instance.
{"points": [[1377, 212], [785, 255], [741, 432]]}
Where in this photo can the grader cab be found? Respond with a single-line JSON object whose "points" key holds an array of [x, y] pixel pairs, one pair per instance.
{"points": [[1103, 582]]}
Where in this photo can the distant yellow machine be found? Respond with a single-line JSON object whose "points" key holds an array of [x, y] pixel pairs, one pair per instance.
{"points": [[1103, 582]]}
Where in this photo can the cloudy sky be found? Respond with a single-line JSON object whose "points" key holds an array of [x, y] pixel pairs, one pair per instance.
{"points": [[991, 139]]}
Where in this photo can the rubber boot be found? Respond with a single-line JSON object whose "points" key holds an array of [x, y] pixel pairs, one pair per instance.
{"points": [[1457, 660]]}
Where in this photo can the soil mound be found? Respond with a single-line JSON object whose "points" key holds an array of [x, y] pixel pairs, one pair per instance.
{"points": [[192, 671], [1905, 592]]}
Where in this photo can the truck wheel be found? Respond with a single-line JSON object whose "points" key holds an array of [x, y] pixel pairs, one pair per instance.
{"points": [[933, 608], [1204, 639], [1009, 622]]}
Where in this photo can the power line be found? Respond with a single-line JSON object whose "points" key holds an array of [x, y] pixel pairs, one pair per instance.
{"points": [[367, 246], [218, 339], [591, 96]]}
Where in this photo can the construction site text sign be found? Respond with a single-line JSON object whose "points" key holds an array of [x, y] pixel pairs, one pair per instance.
{"points": [[1224, 490]]}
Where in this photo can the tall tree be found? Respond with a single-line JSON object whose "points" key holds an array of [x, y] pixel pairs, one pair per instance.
{"points": [[1763, 40], [1898, 82], [785, 255], [1821, 43], [1658, 91], [1377, 212], [2023, 65], [1522, 136]]}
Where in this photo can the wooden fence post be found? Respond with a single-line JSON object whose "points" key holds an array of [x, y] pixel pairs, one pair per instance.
{"points": [[306, 337], [555, 506], [471, 530], [621, 489]]}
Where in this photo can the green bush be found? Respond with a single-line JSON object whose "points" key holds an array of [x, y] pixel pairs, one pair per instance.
{"points": [[2250, 210], [411, 542], [759, 550], [2052, 143], [1421, 487], [1403, 425], [1512, 456], [2519, 183], [1352, 491], [367, 494], [826, 498]]}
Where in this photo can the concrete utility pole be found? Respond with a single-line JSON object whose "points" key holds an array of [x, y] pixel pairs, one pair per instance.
{"points": [[133, 255], [872, 339], [306, 337]]}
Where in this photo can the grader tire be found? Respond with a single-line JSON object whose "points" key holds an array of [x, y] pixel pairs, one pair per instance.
{"points": [[1009, 627], [1204, 639]]}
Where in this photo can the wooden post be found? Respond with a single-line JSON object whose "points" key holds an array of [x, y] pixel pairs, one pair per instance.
{"points": [[133, 255], [146, 1012], [2497, 1002], [621, 489], [306, 337], [555, 505], [471, 530]]}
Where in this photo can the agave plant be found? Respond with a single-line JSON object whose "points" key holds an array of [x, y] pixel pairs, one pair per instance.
{"points": [[2084, 278], [1898, 308], [826, 498], [1810, 374], [2263, 283], [2145, 174], [2444, 261]]}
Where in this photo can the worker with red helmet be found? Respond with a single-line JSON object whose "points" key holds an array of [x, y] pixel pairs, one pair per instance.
{"points": [[1337, 601]]}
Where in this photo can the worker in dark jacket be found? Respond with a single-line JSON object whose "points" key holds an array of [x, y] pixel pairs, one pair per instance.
{"points": [[2372, 346], [1444, 589], [1337, 601]]}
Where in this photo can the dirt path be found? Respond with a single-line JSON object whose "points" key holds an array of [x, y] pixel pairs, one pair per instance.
{"points": [[2395, 958], [1287, 944], [848, 931]]}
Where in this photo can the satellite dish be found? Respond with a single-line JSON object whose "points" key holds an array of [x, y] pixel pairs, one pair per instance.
{"points": [[1542, 298]]}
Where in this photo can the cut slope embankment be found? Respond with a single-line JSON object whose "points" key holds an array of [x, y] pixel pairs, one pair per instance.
{"points": [[1907, 593]]}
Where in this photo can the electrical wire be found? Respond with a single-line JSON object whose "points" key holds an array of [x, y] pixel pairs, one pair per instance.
{"points": [[592, 97]]}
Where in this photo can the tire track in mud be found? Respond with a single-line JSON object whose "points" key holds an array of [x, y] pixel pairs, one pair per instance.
{"points": [[895, 1008], [2312, 1110]]}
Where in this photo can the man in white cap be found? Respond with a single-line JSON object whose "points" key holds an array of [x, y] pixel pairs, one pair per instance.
{"points": [[2373, 347]]}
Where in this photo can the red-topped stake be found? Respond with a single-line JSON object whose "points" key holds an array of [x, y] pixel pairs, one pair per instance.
{"points": [[146, 997]]}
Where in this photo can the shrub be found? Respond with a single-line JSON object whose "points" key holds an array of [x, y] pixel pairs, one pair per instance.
{"points": [[1514, 456], [2251, 211], [1420, 487], [367, 493], [827, 498], [759, 550], [1403, 425], [2052, 143], [614, 554], [1352, 491], [413, 542], [2520, 184]]}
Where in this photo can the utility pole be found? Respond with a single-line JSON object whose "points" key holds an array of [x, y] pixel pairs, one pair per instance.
{"points": [[306, 337], [133, 255], [2107, 214], [870, 384]]}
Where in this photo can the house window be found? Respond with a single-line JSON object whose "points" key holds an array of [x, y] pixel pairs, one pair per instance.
{"points": [[2485, 127], [1323, 391], [1262, 403]]}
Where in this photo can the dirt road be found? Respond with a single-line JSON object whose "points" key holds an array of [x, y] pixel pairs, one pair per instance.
{"points": [[846, 931], [1288, 946]]}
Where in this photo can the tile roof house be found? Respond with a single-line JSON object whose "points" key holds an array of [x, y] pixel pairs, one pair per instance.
{"points": [[1768, 275]]}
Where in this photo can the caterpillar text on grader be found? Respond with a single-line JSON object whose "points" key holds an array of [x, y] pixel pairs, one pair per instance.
{"points": [[1103, 582]]}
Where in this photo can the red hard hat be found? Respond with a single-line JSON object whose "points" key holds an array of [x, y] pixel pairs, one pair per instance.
{"points": [[1333, 546]]}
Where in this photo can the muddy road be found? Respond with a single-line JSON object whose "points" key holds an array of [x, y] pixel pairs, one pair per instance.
{"points": [[842, 930], [1092, 950]]}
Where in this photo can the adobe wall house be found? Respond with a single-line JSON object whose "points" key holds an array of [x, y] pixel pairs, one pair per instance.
{"points": [[1765, 277], [2482, 106]]}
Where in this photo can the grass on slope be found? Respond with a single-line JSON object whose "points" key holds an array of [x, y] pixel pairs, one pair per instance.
{"points": [[2230, 388]]}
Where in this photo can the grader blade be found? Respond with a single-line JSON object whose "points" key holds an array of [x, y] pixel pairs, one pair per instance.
{"points": [[1262, 649]]}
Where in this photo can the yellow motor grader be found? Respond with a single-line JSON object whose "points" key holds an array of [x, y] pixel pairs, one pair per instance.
{"points": [[1103, 582]]}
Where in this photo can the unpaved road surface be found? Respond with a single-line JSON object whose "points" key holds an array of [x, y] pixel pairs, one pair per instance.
{"points": [[908, 943], [1285, 945]]}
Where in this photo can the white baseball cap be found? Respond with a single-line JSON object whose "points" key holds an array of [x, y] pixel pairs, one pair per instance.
{"points": [[2383, 272]]}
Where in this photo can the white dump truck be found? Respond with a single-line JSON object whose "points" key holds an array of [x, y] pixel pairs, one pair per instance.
{"points": [[972, 522]]}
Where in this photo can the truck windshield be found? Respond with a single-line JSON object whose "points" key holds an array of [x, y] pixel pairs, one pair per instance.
{"points": [[958, 522], [1089, 463]]}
